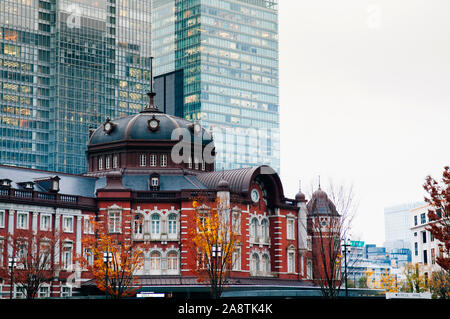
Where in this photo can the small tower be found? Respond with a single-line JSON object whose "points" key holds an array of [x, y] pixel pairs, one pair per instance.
{"points": [[302, 219], [223, 194]]}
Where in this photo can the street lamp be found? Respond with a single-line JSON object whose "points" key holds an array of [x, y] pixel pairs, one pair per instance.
{"points": [[11, 264], [345, 245], [106, 257]]}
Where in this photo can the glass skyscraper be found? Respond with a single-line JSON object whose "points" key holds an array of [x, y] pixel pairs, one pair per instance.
{"points": [[66, 66], [225, 54]]}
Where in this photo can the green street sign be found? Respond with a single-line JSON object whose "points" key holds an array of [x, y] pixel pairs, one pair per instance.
{"points": [[356, 243]]}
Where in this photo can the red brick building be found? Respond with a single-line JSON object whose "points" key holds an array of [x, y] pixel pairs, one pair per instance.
{"points": [[133, 174]]}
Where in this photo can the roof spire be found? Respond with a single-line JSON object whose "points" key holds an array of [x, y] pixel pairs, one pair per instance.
{"points": [[319, 181], [150, 107]]}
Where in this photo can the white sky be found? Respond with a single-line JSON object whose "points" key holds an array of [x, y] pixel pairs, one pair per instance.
{"points": [[365, 99]]}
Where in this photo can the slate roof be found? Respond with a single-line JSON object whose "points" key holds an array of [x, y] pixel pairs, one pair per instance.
{"points": [[76, 185], [167, 182]]}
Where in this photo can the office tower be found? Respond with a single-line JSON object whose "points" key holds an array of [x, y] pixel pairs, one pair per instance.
{"points": [[65, 67], [397, 224], [225, 55]]}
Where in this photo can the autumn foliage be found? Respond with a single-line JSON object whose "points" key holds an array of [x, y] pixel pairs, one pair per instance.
{"points": [[34, 257], [116, 274], [213, 242], [438, 214]]}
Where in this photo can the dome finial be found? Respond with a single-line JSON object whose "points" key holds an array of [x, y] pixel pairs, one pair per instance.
{"points": [[150, 107], [300, 197]]}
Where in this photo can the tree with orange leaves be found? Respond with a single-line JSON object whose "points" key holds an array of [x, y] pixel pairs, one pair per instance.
{"points": [[112, 261], [438, 214], [214, 241], [34, 257]]}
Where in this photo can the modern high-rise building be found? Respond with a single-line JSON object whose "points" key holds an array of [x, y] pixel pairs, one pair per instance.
{"points": [[66, 66], [216, 62], [397, 224]]}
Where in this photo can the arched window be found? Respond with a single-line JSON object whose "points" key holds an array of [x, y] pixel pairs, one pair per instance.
{"points": [[253, 228], [265, 230], [138, 224], [155, 261], [172, 260], [266, 263], [172, 224], [155, 224], [255, 265]]}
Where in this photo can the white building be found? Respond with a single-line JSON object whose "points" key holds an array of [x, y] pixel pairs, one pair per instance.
{"points": [[424, 247]]}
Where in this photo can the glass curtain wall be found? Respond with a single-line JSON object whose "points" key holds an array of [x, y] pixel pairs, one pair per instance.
{"points": [[228, 51], [69, 66], [25, 40]]}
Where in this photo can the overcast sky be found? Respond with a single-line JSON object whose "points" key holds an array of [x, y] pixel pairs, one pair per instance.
{"points": [[365, 99]]}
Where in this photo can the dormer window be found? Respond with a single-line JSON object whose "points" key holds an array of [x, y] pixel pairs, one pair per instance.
{"points": [[5, 182], [154, 182], [27, 185], [55, 184]]}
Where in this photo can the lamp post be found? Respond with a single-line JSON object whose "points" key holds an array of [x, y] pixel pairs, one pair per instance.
{"points": [[106, 257], [11, 264], [216, 253], [345, 245]]}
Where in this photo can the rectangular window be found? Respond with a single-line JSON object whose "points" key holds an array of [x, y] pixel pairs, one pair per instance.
{"points": [[66, 291], [46, 222], [108, 162], [88, 225], [290, 228], [67, 255], [422, 218], [291, 262], [416, 249], [89, 256], [433, 256], [164, 160], [142, 160], [22, 220], [67, 224], [114, 221], [115, 161], [415, 220], [425, 257], [100, 163], [424, 237], [44, 292], [2, 218], [153, 160]]}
